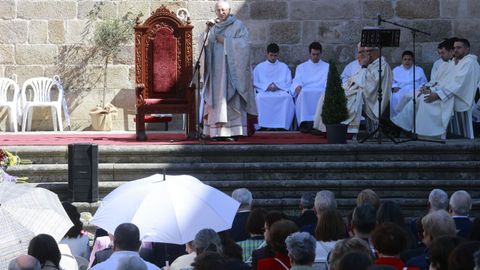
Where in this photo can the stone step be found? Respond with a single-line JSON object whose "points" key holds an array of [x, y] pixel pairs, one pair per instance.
{"points": [[284, 194], [265, 170], [454, 151], [411, 207], [294, 188]]}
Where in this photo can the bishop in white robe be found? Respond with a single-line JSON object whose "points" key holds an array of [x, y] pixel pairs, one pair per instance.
{"points": [[454, 92], [350, 70], [361, 91], [228, 93], [353, 66], [309, 84], [272, 81]]}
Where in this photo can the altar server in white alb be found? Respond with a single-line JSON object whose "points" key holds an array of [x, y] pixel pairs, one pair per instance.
{"points": [[354, 66], [445, 51], [309, 85], [271, 80], [403, 81], [455, 92], [361, 91]]}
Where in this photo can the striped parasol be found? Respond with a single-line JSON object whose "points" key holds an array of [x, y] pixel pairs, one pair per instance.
{"points": [[26, 211]]}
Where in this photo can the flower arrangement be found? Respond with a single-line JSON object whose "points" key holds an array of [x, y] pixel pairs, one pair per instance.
{"points": [[7, 159]]}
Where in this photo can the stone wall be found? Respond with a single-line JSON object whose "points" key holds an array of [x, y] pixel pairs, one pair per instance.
{"points": [[44, 37]]}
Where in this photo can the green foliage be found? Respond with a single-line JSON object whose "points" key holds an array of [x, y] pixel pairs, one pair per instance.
{"points": [[111, 33], [108, 35], [335, 103]]}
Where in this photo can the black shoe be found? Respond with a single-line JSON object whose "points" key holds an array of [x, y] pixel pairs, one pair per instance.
{"points": [[306, 127], [317, 132]]}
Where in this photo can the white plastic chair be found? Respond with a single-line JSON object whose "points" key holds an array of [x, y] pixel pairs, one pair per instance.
{"points": [[461, 123], [37, 92], [6, 87]]}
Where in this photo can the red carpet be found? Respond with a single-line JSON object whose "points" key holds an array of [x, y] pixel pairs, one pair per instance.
{"points": [[158, 138]]}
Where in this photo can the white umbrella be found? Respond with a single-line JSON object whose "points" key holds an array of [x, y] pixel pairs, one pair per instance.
{"points": [[26, 211], [168, 211]]}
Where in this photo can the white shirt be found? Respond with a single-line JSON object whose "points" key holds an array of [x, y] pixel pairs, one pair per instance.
{"points": [[79, 245], [112, 262], [266, 73], [435, 67], [403, 78], [311, 75]]}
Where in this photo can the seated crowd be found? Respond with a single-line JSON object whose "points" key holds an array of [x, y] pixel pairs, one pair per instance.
{"points": [[454, 82], [373, 235]]}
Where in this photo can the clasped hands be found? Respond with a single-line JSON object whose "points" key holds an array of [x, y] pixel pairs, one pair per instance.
{"points": [[429, 96], [272, 87]]}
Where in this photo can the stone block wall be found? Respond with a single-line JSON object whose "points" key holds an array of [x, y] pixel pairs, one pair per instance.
{"points": [[44, 38]]}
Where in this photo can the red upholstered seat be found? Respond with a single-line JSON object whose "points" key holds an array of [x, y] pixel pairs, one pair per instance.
{"points": [[163, 70], [156, 119], [157, 101]]}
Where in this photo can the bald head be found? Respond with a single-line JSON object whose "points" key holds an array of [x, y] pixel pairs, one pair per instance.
{"points": [[24, 262]]}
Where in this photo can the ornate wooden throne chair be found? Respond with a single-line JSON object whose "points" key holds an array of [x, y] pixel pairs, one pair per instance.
{"points": [[163, 69]]}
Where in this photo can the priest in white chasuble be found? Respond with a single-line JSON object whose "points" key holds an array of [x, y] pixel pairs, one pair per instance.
{"points": [[437, 102], [361, 91], [271, 80], [228, 93], [309, 85], [353, 66], [403, 81]]}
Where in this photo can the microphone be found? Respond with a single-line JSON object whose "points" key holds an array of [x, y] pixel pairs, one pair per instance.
{"points": [[379, 19], [212, 22]]}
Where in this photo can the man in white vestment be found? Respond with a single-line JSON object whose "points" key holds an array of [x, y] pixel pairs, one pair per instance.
{"points": [[439, 76], [403, 81], [272, 80], [228, 92], [454, 91], [361, 91], [445, 51], [353, 66], [308, 86]]}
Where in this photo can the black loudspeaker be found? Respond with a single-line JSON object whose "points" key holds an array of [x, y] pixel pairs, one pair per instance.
{"points": [[83, 172]]}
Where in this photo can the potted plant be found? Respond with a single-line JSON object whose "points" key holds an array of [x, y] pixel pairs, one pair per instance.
{"points": [[108, 37], [334, 110]]}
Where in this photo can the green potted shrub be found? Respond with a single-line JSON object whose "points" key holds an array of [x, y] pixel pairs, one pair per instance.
{"points": [[107, 35], [334, 110]]}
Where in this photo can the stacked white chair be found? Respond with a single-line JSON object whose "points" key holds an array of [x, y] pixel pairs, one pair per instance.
{"points": [[37, 92], [9, 97], [462, 124]]}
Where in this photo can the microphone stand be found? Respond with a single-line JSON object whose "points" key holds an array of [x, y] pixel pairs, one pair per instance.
{"points": [[380, 126], [414, 32], [196, 72]]}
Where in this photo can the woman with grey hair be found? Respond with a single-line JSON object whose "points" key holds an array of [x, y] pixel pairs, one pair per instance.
{"points": [[301, 250], [207, 239]]}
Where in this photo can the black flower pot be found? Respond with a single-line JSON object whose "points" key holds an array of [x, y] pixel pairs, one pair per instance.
{"points": [[337, 133]]}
